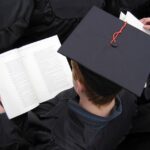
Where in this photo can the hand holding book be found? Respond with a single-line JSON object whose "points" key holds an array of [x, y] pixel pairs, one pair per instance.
{"points": [[146, 22], [143, 24]]}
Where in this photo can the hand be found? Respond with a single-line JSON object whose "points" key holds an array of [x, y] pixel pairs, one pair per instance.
{"points": [[146, 22], [2, 110]]}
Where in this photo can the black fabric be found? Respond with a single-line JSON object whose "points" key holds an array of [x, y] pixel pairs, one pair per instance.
{"points": [[15, 18], [49, 17], [140, 8], [53, 126], [138, 141], [44, 23], [139, 138], [52, 17], [76, 9]]}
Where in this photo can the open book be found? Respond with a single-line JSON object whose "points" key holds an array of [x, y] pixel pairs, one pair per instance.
{"points": [[132, 20], [32, 74]]}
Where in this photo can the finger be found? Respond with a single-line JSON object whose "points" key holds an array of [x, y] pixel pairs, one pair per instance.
{"points": [[147, 27], [146, 21], [1, 109], [142, 20]]}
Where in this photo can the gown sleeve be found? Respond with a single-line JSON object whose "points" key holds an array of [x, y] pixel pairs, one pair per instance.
{"points": [[31, 131], [14, 16], [59, 17], [25, 133]]}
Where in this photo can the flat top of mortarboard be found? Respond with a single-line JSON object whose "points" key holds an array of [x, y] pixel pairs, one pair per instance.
{"points": [[127, 64]]}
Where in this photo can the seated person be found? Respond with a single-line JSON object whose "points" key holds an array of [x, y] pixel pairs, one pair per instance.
{"points": [[139, 8], [139, 136], [95, 114], [32, 20], [75, 119]]}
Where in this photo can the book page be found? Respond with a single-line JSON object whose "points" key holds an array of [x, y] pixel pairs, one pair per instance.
{"points": [[122, 16], [16, 92], [132, 20], [48, 70]]}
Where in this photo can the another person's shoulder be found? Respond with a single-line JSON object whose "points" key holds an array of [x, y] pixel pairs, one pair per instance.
{"points": [[129, 103], [76, 9], [50, 105], [66, 94], [15, 17], [127, 96]]}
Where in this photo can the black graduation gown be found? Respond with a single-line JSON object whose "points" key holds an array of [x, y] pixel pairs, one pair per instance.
{"points": [[54, 126], [59, 17], [14, 19], [140, 8], [139, 137], [33, 20]]}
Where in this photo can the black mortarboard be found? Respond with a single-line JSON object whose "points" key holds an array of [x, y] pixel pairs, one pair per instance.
{"points": [[125, 62]]}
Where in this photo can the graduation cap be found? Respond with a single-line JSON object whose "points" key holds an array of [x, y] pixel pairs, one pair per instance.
{"points": [[110, 48]]}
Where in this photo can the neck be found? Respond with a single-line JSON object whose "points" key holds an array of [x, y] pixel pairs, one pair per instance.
{"points": [[102, 110]]}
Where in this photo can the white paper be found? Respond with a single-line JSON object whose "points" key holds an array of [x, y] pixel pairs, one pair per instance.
{"points": [[122, 16], [32, 74], [16, 91], [132, 20], [49, 71]]}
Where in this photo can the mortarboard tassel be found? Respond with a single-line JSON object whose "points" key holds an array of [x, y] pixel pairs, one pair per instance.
{"points": [[116, 34]]}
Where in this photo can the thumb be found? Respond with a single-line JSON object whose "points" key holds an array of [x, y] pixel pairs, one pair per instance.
{"points": [[2, 109]]}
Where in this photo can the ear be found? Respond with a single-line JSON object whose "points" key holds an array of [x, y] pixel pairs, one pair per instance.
{"points": [[79, 87]]}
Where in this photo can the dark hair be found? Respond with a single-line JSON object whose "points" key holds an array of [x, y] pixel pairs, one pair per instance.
{"points": [[98, 89]]}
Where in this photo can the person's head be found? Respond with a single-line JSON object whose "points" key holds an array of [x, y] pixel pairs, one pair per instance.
{"points": [[96, 88], [92, 45]]}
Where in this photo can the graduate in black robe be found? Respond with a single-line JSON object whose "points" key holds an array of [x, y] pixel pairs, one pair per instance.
{"points": [[139, 138], [95, 115], [32, 20], [63, 124], [139, 8]]}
